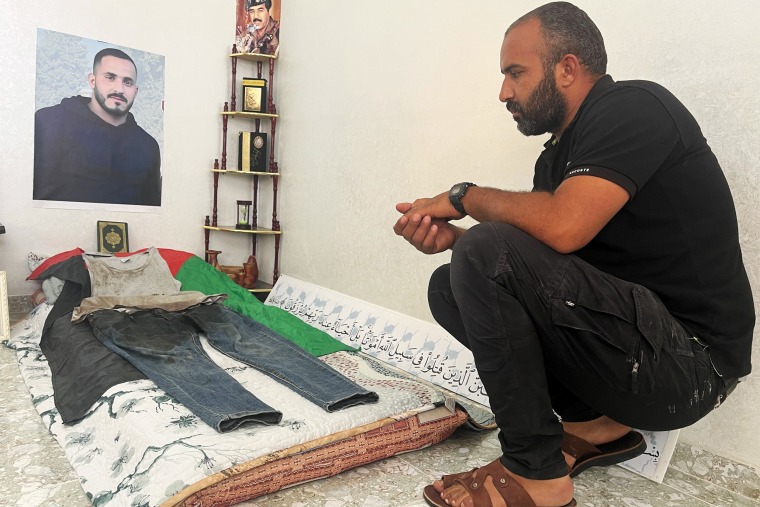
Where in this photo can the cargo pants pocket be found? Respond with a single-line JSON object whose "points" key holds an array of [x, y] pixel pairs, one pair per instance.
{"points": [[618, 342]]}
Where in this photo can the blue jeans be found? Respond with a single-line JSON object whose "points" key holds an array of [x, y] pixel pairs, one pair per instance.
{"points": [[166, 347], [551, 333]]}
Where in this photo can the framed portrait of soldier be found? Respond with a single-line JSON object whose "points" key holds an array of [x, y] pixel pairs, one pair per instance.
{"points": [[257, 27]]}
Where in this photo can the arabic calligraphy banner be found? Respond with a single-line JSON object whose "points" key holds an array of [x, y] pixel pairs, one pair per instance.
{"points": [[415, 346]]}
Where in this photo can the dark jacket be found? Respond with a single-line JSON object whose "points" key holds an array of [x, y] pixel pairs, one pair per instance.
{"points": [[79, 157]]}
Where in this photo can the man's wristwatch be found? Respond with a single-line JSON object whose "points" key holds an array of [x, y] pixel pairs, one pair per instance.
{"points": [[456, 193]]}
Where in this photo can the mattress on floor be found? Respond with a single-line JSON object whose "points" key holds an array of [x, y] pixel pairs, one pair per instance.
{"points": [[138, 446]]}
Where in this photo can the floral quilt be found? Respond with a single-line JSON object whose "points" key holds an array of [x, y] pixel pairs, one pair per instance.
{"points": [[138, 446]]}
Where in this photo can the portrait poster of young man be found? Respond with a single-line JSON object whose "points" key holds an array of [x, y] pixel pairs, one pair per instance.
{"points": [[98, 129]]}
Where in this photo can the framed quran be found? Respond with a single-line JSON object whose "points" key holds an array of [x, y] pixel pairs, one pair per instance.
{"points": [[112, 237], [252, 152], [254, 95]]}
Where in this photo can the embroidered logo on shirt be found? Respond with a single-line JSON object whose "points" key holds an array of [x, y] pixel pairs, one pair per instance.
{"points": [[579, 170]]}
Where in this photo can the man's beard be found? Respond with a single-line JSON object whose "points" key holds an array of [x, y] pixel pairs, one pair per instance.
{"points": [[112, 110], [544, 111]]}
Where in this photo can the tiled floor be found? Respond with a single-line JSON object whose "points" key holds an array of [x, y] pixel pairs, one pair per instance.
{"points": [[34, 471]]}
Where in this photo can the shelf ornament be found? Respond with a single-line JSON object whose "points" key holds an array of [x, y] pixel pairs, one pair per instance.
{"points": [[243, 215]]}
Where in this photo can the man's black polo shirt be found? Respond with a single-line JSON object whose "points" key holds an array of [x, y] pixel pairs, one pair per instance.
{"points": [[677, 235]]}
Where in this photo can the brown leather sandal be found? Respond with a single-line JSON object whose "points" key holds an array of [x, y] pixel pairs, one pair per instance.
{"points": [[587, 455], [450, 480], [510, 490]]}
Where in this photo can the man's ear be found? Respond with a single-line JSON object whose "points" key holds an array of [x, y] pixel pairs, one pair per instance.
{"points": [[567, 70], [91, 80]]}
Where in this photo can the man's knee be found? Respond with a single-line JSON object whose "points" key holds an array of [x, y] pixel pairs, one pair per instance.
{"points": [[477, 238], [492, 249], [476, 244], [482, 248], [474, 258], [489, 238], [440, 279], [443, 305], [440, 299]]}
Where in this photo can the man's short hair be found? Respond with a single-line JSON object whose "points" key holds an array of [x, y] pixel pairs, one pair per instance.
{"points": [[566, 29], [111, 52], [254, 3]]}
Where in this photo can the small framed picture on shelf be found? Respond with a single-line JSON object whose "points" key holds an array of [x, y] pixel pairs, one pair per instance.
{"points": [[254, 95], [113, 237], [252, 152]]}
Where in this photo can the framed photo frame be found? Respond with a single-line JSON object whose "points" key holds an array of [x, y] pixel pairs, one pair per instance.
{"points": [[5, 320], [113, 237], [254, 95], [257, 27]]}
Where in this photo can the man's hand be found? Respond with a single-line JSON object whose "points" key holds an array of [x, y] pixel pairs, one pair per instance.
{"points": [[425, 224], [434, 207]]}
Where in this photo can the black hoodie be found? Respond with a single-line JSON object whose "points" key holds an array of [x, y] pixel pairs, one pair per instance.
{"points": [[79, 157]]}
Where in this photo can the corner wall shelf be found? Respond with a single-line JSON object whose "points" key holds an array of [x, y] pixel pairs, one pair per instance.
{"points": [[271, 174]]}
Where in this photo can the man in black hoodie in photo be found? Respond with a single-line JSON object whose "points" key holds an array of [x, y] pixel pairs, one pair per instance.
{"points": [[90, 149]]}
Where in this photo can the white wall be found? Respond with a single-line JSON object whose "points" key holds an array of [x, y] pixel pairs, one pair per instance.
{"points": [[383, 104], [379, 104]]}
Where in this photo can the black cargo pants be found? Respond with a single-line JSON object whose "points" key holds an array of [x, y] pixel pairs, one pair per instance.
{"points": [[552, 335]]}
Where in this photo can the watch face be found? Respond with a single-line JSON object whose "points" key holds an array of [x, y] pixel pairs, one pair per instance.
{"points": [[456, 193], [258, 142], [459, 189]]}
